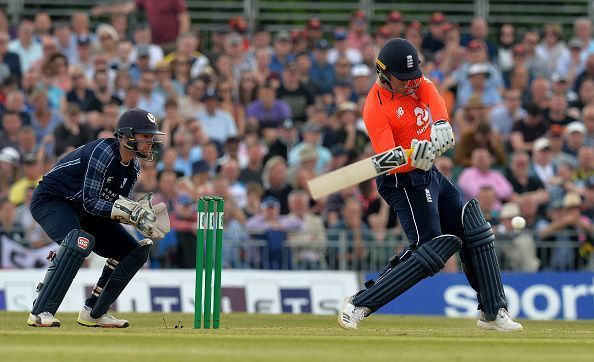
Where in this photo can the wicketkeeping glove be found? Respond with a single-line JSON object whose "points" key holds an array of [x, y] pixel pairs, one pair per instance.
{"points": [[442, 137], [139, 213], [423, 154]]}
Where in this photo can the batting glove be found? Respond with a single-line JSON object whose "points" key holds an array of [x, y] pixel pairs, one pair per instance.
{"points": [[442, 137], [423, 154]]}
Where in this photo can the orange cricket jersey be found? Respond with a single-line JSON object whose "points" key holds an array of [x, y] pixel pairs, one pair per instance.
{"points": [[393, 121]]}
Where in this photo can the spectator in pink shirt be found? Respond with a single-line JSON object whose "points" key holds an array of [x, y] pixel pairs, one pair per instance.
{"points": [[480, 174], [358, 31]]}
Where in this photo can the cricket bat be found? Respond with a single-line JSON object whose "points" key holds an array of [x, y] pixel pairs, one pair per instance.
{"points": [[358, 172]]}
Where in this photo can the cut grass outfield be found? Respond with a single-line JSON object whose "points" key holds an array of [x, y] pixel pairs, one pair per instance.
{"points": [[251, 337]]}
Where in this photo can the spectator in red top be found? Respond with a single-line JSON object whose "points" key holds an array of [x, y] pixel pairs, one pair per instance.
{"points": [[168, 19]]}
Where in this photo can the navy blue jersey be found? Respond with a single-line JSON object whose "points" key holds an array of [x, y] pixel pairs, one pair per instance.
{"points": [[92, 177]]}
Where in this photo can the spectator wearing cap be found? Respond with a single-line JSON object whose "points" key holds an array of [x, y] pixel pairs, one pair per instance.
{"points": [[314, 32], [478, 74], [348, 132], [84, 56], [479, 30], [362, 80], [552, 50], [311, 134], [341, 49], [201, 181], [10, 167], [11, 125], [322, 72], [295, 94], [32, 173], [299, 39], [433, 39], [72, 133], [566, 226], [240, 60], [28, 50], [556, 140], [504, 115], [358, 34], [480, 174], [481, 136], [519, 250], [478, 60], [560, 85], [282, 52], [217, 123], [395, 24], [267, 110], [575, 136], [542, 162], [526, 131], [523, 182], [9, 58]]}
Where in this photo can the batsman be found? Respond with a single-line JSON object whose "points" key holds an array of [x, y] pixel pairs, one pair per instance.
{"points": [[81, 203], [403, 108]]}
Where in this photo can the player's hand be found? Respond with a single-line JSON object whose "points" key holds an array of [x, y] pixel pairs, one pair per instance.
{"points": [[423, 154], [140, 214], [442, 137]]}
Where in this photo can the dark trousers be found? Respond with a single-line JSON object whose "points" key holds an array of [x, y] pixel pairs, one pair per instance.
{"points": [[58, 217], [427, 205]]}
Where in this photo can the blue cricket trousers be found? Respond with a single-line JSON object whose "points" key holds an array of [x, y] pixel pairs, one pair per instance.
{"points": [[427, 205], [58, 217]]}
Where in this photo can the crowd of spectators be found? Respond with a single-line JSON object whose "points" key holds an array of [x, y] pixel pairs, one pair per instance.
{"points": [[252, 115]]}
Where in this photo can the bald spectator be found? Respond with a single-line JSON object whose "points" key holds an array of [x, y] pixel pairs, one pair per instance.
{"points": [[274, 179]]}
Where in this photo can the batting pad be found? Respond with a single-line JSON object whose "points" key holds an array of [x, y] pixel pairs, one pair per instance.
{"points": [[73, 250], [121, 276], [479, 240], [426, 261]]}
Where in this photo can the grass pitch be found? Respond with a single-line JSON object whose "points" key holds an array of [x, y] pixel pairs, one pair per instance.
{"points": [[251, 337]]}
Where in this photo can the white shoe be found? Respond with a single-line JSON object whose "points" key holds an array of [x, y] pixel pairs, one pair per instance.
{"points": [[105, 321], [350, 316], [43, 319], [502, 322]]}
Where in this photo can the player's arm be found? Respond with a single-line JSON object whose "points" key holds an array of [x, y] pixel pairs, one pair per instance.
{"points": [[184, 22], [99, 161], [378, 128], [123, 8], [442, 134]]}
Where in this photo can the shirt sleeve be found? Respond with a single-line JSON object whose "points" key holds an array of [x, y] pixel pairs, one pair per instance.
{"points": [[431, 97], [180, 6], [99, 161], [378, 126]]}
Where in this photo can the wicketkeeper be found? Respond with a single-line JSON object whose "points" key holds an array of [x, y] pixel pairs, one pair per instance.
{"points": [[403, 108], [80, 204]]}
